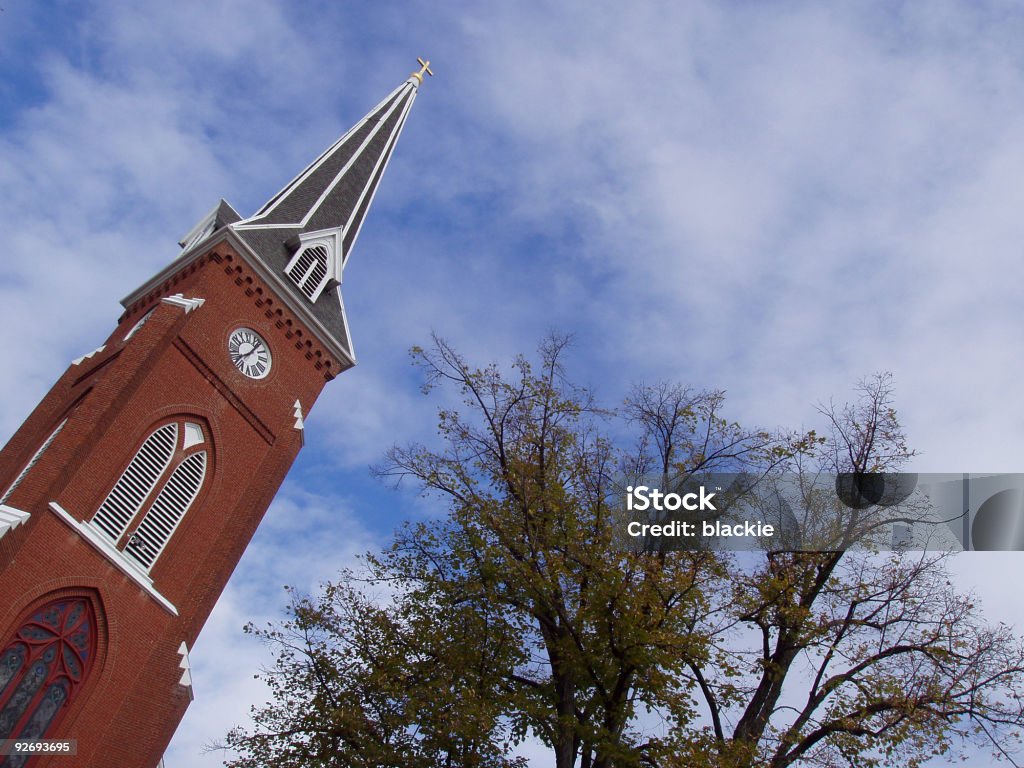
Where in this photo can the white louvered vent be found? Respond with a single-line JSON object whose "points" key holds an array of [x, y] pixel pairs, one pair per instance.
{"points": [[309, 270], [32, 462], [137, 482], [170, 506]]}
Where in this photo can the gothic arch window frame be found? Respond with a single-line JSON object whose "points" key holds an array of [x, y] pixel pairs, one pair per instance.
{"points": [[47, 662], [154, 492], [139, 323], [43, 447]]}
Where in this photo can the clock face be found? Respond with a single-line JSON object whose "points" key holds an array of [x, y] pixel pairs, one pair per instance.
{"points": [[249, 353]]}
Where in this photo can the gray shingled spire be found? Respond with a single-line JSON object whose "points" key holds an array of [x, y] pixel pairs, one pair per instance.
{"points": [[336, 189], [302, 238], [327, 202]]}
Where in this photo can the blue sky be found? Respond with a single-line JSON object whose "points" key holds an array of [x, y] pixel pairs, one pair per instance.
{"points": [[770, 198]]}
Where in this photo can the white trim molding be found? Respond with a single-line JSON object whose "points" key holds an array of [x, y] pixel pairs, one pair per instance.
{"points": [[100, 544], [186, 667], [178, 300], [87, 355], [11, 518], [276, 200]]}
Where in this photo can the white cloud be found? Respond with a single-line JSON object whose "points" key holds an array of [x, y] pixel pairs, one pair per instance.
{"points": [[304, 540]]}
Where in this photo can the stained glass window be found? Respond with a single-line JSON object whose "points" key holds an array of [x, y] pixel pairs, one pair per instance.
{"points": [[41, 667]]}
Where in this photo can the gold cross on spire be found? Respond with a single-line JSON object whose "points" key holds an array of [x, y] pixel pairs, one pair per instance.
{"points": [[426, 68]]}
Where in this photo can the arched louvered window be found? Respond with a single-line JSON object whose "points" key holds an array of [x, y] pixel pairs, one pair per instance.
{"points": [[308, 269], [170, 505], [32, 462], [143, 472], [155, 491], [42, 667]]}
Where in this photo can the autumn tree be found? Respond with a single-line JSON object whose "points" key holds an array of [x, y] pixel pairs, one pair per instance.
{"points": [[517, 615]]}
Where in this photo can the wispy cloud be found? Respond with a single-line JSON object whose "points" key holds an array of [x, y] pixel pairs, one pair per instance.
{"points": [[305, 540]]}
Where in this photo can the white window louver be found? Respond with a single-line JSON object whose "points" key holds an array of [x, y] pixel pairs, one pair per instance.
{"points": [[145, 469], [32, 462], [170, 506], [309, 270]]}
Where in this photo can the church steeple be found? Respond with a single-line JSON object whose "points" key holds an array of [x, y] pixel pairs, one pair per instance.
{"points": [[307, 230], [303, 236], [130, 493]]}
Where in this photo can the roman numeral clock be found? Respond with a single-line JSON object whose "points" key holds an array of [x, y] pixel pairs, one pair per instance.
{"points": [[249, 353]]}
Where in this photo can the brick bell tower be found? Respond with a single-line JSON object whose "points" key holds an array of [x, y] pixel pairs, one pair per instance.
{"points": [[129, 494]]}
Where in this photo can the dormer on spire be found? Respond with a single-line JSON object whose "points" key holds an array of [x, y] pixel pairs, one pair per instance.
{"points": [[315, 266]]}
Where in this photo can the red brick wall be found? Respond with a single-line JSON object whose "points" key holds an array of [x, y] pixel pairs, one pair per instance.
{"points": [[175, 365]]}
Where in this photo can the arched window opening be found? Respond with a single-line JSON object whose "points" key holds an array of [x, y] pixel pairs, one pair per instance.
{"points": [[32, 462], [171, 504], [163, 480], [139, 323], [308, 269], [143, 472], [42, 667]]}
